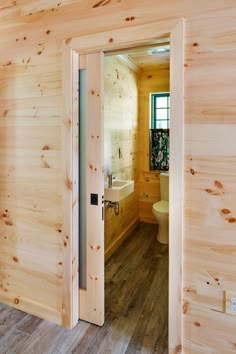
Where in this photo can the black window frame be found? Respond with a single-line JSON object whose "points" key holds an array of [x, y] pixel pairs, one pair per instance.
{"points": [[155, 109]]}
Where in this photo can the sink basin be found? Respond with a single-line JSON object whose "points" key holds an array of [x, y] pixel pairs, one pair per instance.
{"points": [[119, 190]]}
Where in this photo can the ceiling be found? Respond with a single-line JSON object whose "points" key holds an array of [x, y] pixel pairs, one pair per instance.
{"points": [[147, 57], [151, 58]]}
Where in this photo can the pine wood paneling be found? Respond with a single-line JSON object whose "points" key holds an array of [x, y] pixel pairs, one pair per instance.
{"points": [[120, 145], [140, 260], [209, 96], [149, 192]]}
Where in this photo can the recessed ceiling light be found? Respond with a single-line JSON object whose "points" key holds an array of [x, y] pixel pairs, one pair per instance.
{"points": [[159, 50]]}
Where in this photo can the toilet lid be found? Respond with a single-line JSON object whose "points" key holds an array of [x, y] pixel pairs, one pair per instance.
{"points": [[161, 207]]}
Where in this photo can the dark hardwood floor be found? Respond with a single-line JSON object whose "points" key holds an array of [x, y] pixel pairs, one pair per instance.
{"points": [[136, 308]]}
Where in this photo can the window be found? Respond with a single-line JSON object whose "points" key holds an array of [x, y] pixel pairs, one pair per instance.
{"points": [[159, 132], [160, 110]]}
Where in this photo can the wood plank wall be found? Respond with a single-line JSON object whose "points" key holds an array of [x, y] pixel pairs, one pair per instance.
{"points": [[120, 146], [31, 120], [149, 185], [31, 182]]}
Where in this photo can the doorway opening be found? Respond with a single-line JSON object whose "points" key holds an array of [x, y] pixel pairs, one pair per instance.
{"points": [[135, 151], [91, 299]]}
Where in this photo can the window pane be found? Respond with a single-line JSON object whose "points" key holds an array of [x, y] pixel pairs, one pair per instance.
{"points": [[161, 102], [161, 124], [168, 101], [161, 114]]}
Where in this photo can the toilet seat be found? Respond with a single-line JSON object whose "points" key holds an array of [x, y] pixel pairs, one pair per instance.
{"points": [[161, 207]]}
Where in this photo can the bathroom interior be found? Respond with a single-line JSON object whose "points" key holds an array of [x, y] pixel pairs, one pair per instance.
{"points": [[136, 157]]}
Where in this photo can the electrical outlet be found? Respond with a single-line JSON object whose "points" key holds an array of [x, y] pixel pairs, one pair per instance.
{"points": [[230, 302]]}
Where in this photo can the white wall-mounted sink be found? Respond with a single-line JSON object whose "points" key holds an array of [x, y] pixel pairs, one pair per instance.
{"points": [[119, 190]]}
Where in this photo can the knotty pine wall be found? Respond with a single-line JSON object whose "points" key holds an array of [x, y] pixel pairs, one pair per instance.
{"points": [[120, 146], [149, 186], [31, 120]]}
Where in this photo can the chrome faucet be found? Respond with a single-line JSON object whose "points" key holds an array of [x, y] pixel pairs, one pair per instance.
{"points": [[109, 180]]}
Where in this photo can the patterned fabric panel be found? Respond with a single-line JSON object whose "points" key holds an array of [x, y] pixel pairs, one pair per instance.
{"points": [[159, 149]]}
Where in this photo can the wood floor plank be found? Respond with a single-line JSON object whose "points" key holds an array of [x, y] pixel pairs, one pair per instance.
{"points": [[29, 324], [151, 332], [136, 308], [9, 317], [13, 342]]}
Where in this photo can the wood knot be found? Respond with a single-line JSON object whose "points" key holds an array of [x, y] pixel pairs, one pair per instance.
{"points": [[211, 192], [197, 324], [178, 349], [46, 147], [195, 44], [225, 211], [190, 290], [192, 171], [111, 40], [68, 183], [130, 18], [218, 184], [48, 31], [15, 259], [9, 223], [16, 301], [185, 306], [102, 3], [231, 220]]}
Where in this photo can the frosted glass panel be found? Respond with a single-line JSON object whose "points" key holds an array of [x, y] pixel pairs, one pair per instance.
{"points": [[82, 180]]}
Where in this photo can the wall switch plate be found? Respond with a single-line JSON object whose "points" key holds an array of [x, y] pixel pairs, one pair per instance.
{"points": [[230, 302]]}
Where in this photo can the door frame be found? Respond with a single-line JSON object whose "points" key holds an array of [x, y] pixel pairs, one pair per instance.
{"points": [[119, 39]]}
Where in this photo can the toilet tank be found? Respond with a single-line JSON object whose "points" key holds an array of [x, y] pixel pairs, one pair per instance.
{"points": [[164, 182]]}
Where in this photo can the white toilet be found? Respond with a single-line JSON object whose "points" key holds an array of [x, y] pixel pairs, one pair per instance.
{"points": [[161, 210]]}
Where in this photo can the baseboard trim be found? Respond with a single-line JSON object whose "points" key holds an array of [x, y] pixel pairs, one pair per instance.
{"points": [[113, 247]]}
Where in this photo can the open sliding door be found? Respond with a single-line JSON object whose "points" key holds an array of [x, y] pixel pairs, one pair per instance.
{"points": [[91, 293]]}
